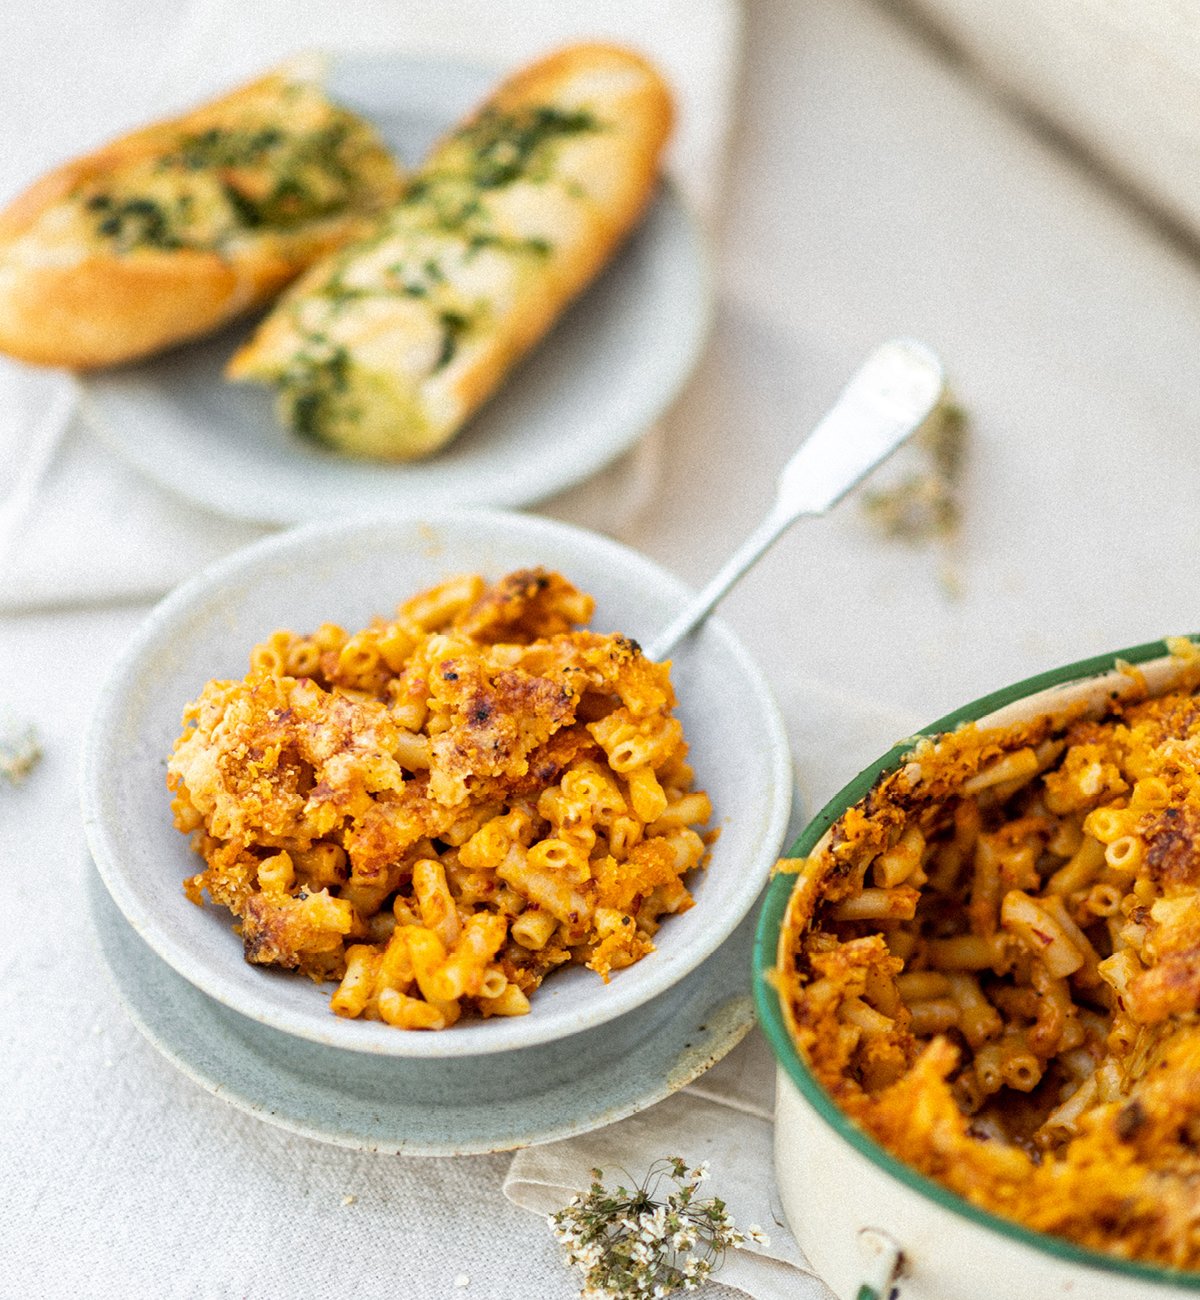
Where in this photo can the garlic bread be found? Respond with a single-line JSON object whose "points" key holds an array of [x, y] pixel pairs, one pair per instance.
{"points": [[172, 230], [386, 347]]}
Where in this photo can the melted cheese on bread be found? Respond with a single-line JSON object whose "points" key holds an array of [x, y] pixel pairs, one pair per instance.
{"points": [[387, 347]]}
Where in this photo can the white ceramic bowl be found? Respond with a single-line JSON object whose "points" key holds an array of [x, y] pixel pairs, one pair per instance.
{"points": [[344, 573], [843, 1194]]}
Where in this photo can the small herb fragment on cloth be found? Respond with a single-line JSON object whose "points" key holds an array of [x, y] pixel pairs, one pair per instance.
{"points": [[649, 1242], [924, 504], [19, 752]]}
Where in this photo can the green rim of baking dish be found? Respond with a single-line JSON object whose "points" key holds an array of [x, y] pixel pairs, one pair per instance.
{"points": [[770, 1012]]}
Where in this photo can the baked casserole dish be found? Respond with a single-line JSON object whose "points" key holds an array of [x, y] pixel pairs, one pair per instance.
{"points": [[980, 971]]}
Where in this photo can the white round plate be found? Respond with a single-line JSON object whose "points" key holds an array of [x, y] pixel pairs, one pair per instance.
{"points": [[345, 573], [606, 371], [466, 1106]]}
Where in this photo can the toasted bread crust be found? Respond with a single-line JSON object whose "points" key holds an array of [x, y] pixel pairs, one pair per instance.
{"points": [[70, 298], [50, 315], [646, 102], [613, 166]]}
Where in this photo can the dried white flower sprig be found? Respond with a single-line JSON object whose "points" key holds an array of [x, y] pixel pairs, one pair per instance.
{"points": [[19, 753], [649, 1242]]}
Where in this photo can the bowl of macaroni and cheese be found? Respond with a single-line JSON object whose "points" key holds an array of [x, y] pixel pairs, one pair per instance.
{"points": [[979, 969], [410, 786]]}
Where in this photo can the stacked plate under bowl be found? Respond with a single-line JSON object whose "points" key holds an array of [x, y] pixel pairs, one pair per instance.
{"points": [[588, 1053]]}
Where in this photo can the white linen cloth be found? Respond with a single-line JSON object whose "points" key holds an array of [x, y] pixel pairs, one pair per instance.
{"points": [[724, 1120], [873, 190], [62, 493], [1121, 78]]}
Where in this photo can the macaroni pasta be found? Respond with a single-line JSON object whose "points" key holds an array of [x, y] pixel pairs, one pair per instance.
{"points": [[993, 965], [438, 810]]}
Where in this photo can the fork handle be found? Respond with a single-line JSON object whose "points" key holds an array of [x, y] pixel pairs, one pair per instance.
{"points": [[777, 521]]}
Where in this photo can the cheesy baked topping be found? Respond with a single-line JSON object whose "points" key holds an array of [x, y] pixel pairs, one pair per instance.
{"points": [[439, 810], [992, 963]]}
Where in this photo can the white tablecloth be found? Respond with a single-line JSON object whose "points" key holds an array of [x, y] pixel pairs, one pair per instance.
{"points": [[872, 192]]}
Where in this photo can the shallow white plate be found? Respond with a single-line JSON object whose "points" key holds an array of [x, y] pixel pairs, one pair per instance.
{"points": [[606, 371], [439, 1107], [345, 573]]}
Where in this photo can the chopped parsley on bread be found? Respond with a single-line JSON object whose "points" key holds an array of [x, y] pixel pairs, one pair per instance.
{"points": [[386, 347]]}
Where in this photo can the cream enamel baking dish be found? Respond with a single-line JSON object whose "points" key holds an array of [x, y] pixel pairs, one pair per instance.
{"points": [[871, 1225]]}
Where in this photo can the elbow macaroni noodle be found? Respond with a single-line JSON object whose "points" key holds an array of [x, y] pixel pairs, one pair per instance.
{"points": [[993, 965], [438, 810]]}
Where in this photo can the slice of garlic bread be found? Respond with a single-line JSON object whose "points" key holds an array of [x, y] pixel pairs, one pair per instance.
{"points": [[385, 348], [167, 233]]}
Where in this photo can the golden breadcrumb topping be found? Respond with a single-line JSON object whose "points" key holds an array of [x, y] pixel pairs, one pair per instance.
{"points": [[440, 809], [992, 963]]}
